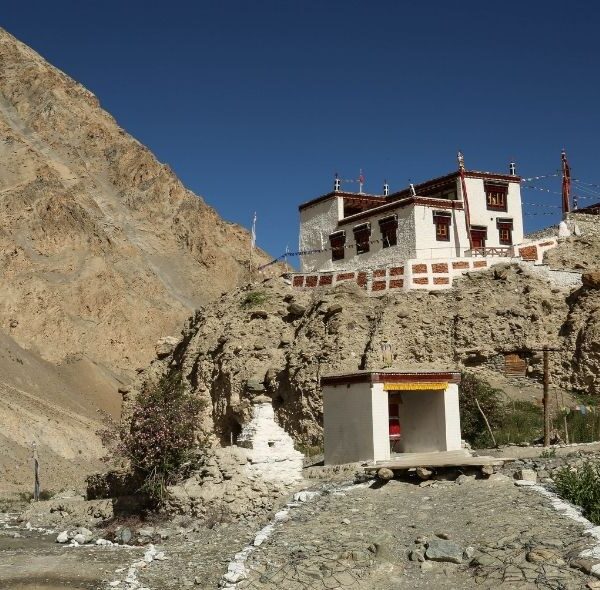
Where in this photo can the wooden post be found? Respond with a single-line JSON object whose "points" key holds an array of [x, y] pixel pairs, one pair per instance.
{"points": [[546, 400], [486, 423], [36, 474]]}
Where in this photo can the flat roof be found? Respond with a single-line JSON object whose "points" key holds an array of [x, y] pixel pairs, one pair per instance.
{"points": [[393, 376]]}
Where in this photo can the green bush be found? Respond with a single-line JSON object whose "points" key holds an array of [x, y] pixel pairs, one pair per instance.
{"points": [[254, 298], [513, 422], [581, 487], [473, 390], [161, 435], [523, 421]]}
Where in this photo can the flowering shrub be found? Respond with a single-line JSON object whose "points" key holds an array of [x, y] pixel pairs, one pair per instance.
{"points": [[162, 434]]}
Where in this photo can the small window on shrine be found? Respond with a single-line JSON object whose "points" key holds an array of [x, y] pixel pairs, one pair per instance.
{"points": [[505, 227], [362, 236], [442, 221], [337, 241], [388, 226], [496, 196]]}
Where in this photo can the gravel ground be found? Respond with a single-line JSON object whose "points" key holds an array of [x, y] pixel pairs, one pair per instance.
{"points": [[360, 537]]}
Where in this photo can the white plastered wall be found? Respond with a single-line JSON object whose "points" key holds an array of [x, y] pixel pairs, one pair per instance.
{"points": [[355, 423], [428, 247], [317, 222], [480, 215]]}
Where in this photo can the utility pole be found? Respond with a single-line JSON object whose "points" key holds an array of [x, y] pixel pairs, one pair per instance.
{"points": [[36, 474], [546, 399]]}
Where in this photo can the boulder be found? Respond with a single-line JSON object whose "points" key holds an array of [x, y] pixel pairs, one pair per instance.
{"points": [[83, 535], [123, 536], [424, 473], [526, 475], [62, 537], [296, 309], [385, 474], [443, 550], [259, 314], [591, 280], [165, 346]]}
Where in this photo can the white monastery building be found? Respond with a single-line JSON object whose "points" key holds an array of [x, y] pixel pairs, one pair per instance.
{"points": [[420, 237]]}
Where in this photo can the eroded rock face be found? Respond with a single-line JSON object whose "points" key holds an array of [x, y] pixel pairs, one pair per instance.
{"points": [[229, 358], [591, 280]]}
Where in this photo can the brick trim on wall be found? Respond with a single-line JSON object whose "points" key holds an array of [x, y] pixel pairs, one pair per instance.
{"points": [[440, 267]]}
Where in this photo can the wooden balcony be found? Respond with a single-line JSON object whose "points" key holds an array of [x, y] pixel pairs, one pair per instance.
{"points": [[498, 251]]}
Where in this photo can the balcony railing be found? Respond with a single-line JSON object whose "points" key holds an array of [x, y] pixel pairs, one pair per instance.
{"points": [[500, 251]]}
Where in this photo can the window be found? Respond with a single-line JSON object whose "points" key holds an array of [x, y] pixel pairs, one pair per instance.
{"points": [[337, 241], [505, 227], [362, 235], [496, 196], [388, 226], [442, 221]]}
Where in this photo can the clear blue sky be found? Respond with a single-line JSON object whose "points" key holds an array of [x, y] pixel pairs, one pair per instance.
{"points": [[255, 104]]}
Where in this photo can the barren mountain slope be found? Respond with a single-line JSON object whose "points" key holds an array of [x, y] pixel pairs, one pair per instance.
{"points": [[102, 252], [231, 351], [55, 406]]}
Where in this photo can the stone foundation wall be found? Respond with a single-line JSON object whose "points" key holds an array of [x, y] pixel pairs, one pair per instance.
{"points": [[418, 273]]}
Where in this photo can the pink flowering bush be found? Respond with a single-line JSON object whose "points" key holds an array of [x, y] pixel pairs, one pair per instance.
{"points": [[162, 434]]}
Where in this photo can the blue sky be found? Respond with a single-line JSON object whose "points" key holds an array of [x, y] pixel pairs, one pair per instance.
{"points": [[256, 104]]}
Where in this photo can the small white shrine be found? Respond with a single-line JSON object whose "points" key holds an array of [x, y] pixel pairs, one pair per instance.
{"points": [[367, 413], [271, 452]]}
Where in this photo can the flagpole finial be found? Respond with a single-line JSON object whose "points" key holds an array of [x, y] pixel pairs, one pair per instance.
{"points": [[336, 182], [361, 181]]}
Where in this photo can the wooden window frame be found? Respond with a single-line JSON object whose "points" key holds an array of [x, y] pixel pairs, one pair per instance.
{"points": [[505, 225], [362, 238], [388, 226], [496, 196], [442, 222], [337, 241]]}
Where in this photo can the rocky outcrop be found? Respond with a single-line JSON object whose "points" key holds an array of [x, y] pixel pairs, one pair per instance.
{"points": [[591, 280], [229, 355]]}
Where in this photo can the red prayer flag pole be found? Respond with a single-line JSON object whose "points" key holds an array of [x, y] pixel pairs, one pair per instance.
{"points": [[566, 184]]}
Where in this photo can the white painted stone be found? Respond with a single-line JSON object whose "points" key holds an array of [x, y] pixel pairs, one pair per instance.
{"points": [[563, 230], [271, 451]]}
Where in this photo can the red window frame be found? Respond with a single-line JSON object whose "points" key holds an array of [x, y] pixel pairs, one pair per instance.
{"points": [[505, 229], [442, 223], [496, 196]]}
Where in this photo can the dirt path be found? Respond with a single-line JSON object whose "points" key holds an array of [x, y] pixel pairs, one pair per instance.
{"points": [[358, 538]]}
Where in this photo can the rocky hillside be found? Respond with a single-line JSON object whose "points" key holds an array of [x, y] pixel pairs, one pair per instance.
{"points": [[268, 338], [102, 249]]}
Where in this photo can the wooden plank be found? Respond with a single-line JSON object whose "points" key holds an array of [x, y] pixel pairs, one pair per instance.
{"points": [[437, 460]]}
